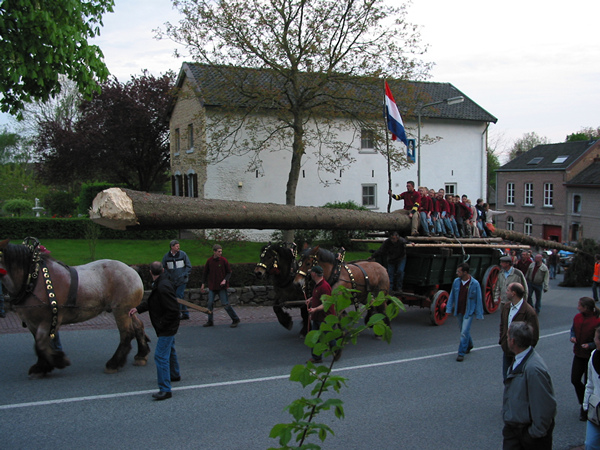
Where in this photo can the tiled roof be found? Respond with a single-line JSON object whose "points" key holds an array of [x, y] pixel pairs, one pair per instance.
{"points": [[548, 157], [214, 86], [587, 177]]}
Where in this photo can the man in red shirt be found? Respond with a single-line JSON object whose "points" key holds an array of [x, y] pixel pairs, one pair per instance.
{"points": [[315, 305], [412, 200], [217, 273]]}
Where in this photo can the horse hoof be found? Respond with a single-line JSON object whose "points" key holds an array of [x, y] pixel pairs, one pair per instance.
{"points": [[140, 362], [110, 371], [290, 325]]}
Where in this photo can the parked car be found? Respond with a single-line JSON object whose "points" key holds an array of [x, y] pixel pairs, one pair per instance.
{"points": [[565, 258]]}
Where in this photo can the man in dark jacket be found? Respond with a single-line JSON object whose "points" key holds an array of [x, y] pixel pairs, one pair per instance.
{"points": [[393, 250], [164, 315]]}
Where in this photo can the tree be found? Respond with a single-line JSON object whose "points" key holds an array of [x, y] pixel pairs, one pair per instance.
{"points": [[585, 134], [526, 143], [310, 54], [41, 39], [17, 206], [120, 136]]}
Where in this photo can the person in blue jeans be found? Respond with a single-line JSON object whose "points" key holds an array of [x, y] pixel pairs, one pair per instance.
{"points": [[164, 315], [465, 302], [393, 250], [178, 267]]}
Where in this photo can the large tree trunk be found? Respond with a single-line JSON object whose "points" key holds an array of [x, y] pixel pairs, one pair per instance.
{"points": [[528, 240], [123, 208]]}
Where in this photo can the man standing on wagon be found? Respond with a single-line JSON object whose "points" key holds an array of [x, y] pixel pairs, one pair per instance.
{"points": [[412, 200], [465, 302]]}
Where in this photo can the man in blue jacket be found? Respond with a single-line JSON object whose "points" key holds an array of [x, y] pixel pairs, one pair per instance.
{"points": [[465, 301]]}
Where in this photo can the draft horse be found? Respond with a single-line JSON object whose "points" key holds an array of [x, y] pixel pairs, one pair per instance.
{"points": [[46, 294], [364, 276], [278, 261]]}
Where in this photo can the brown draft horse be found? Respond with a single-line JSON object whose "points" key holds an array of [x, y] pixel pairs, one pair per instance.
{"points": [[278, 261], [364, 276], [46, 294]]}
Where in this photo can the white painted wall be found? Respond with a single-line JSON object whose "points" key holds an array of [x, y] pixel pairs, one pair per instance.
{"points": [[459, 157]]}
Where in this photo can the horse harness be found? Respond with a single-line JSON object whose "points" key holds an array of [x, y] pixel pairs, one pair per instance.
{"points": [[335, 276], [275, 266], [38, 263]]}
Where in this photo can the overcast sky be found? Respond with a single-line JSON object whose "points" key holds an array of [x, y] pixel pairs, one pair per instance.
{"points": [[534, 65]]}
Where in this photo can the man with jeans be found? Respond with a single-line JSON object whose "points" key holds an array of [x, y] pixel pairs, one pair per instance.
{"points": [[164, 315], [217, 273], [464, 302], [178, 266]]}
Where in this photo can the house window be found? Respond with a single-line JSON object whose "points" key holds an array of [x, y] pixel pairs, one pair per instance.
{"points": [[190, 180], [510, 193], [548, 195], [177, 185], [575, 231], [450, 188], [177, 142], [369, 197], [576, 204], [510, 223], [528, 227], [191, 137], [367, 140], [528, 194]]}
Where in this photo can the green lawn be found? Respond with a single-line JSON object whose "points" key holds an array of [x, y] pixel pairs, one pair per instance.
{"points": [[77, 251]]}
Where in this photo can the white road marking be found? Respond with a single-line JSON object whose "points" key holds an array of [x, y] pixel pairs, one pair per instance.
{"points": [[235, 382]]}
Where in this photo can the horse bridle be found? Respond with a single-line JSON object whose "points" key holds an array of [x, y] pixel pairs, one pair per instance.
{"points": [[264, 253]]}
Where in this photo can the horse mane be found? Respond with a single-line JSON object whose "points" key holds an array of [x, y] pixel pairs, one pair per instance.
{"points": [[18, 256], [324, 255]]}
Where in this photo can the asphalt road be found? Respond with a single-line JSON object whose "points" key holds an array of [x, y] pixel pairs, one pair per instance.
{"points": [[411, 394]]}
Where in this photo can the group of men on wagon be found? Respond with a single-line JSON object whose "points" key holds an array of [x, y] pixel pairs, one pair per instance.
{"points": [[437, 213]]}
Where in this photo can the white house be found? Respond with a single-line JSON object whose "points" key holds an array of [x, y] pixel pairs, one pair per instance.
{"points": [[453, 144]]}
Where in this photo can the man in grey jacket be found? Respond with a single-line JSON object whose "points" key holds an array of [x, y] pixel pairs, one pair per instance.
{"points": [[178, 266], [537, 277], [508, 274], [529, 405]]}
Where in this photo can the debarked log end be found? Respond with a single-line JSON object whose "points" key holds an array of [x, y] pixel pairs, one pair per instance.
{"points": [[113, 208]]}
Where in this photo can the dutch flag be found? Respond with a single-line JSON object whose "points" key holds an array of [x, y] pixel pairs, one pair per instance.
{"points": [[395, 124]]}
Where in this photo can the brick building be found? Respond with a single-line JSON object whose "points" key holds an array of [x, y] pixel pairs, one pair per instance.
{"points": [[552, 192]]}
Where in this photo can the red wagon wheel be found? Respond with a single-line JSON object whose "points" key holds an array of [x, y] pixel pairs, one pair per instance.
{"points": [[489, 283], [438, 308]]}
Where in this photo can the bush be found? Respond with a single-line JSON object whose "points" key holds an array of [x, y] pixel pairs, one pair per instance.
{"points": [[72, 228], [60, 203], [17, 206], [580, 273]]}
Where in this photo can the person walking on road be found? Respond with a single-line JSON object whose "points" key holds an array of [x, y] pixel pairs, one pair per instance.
{"points": [[164, 315], [508, 274], [582, 337], [315, 306], [517, 310], [465, 302], [537, 277], [529, 404], [178, 267], [217, 273], [596, 278]]}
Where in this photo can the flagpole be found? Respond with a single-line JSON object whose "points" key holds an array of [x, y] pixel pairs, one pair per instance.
{"points": [[387, 144]]}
